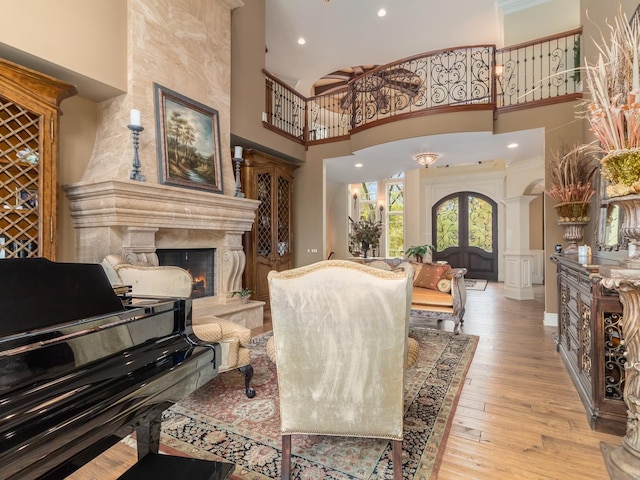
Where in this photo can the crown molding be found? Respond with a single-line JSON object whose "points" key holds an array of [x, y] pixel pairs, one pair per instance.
{"points": [[511, 6]]}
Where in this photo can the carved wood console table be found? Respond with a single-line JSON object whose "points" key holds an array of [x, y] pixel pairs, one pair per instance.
{"points": [[590, 340]]}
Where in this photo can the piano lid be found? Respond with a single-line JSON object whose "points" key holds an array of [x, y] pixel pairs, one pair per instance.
{"points": [[37, 293]]}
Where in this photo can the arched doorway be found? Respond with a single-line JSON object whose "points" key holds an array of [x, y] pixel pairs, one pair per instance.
{"points": [[465, 233]]}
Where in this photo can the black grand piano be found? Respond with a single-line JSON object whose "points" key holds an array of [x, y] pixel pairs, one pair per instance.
{"points": [[79, 370]]}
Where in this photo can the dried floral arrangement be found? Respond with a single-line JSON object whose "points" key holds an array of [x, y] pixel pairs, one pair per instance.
{"points": [[367, 231], [614, 108], [572, 175]]}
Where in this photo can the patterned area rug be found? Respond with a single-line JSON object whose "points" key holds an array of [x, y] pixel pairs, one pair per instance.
{"points": [[218, 422]]}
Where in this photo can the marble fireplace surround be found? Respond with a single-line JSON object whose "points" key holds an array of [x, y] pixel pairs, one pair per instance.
{"points": [[136, 218]]}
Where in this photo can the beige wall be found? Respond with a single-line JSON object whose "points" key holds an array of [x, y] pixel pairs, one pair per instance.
{"points": [[536, 223], [543, 20], [83, 42], [78, 125]]}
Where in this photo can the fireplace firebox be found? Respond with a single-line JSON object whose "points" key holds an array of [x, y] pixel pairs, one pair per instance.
{"points": [[199, 262]]}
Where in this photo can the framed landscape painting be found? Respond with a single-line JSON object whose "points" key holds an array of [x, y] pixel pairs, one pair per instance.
{"points": [[188, 135]]}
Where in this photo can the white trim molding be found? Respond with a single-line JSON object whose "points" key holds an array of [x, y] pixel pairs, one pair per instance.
{"points": [[511, 6], [550, 319]]}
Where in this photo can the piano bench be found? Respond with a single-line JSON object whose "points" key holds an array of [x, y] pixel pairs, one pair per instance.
{"points": [[234, 340], [168, 467]]}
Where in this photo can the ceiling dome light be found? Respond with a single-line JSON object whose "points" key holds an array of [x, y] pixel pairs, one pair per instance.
{"points": [[358, 165], [382, 12], [426, 158], [301, 41], [512, 145]]}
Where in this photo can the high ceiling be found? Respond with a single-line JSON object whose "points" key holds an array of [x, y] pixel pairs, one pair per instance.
{"points": [[346, 33]]}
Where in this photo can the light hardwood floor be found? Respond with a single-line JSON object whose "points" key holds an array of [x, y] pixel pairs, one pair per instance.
{"points": [[519, 416]]}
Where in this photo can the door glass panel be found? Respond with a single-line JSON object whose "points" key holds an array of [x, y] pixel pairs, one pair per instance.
{"points": [[263, 215], [480, 224], [395, 220], [284, 189], [447, 224]]}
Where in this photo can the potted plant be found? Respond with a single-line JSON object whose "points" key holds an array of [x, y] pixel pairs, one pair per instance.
{"points": [[572, 188], [572, 174], [419, 251], [365, 234], [244, 294]]}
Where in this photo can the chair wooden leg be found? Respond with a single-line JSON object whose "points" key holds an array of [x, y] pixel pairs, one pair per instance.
{"points": [[247, 371], [397, 459], [285, 464]]}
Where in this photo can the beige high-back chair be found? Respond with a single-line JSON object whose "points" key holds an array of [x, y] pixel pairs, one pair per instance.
{"points": [[340, 331]]}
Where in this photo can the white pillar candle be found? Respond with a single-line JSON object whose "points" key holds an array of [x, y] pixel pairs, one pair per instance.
{"points": [[238, 152], [135, 117]]}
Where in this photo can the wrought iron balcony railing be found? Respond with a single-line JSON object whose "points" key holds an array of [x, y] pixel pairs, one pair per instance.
{"points": [[477, 77]]}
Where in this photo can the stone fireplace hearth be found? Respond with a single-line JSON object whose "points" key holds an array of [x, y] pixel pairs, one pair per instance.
{"points": [[136, 218]]}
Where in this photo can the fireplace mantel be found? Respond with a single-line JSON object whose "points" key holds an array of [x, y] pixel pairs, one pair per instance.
{"points": [[139, 204], [136, 218]]}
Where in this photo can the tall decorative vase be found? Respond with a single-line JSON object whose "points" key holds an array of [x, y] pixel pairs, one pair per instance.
{"points": [[623, 462], [365, 249], [573, 233], [630, 206], [573, 216]]}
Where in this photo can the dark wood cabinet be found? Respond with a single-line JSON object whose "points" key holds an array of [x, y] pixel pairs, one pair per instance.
{"points": [[269, 245], [29, 112], [590, 340]]}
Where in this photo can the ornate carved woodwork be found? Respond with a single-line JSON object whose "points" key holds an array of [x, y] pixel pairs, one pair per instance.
{"points": [[29, 113], [269, 245], [589, 341]]}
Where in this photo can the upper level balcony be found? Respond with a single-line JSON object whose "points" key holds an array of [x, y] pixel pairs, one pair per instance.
{"points": [[479, 77]]}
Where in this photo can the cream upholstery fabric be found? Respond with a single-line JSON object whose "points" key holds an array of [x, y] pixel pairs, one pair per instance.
{"points": [[234, 339], [148, 279], [413, 349], [340, 331]]}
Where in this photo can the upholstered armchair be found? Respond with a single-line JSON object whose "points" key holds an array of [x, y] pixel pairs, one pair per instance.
{"points": [[340, 333], [148, 279]]}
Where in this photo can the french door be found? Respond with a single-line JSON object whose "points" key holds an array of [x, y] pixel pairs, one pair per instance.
{"points": [[464, 227]]}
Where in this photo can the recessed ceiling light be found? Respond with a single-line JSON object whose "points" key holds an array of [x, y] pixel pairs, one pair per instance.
{"points": [[512, 145], [358, 165], [382, 12], [301, 41]]}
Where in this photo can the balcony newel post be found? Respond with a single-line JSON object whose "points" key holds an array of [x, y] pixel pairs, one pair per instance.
{"points": [[305, 132]]}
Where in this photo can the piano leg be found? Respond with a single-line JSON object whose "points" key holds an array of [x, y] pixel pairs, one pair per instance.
{"points": [[247, 371], [148, 437]]}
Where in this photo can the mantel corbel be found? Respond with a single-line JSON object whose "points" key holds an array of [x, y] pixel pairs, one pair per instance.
{"points": [[623, 462]]}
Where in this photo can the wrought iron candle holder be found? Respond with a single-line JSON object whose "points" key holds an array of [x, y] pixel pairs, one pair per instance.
{"points": [[135, 172]]}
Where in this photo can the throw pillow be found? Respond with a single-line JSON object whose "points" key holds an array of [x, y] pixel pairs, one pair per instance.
{"points": [[444, 285], [416, 271], [430, 275]]}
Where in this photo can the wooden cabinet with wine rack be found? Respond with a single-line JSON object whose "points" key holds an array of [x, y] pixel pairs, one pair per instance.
{"points": [[29, 115]]}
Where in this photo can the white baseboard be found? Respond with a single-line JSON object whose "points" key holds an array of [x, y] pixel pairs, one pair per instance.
{"points": [[550, 319]]}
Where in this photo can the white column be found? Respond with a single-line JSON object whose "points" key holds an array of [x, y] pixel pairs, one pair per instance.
{"points": [[518, 259]]}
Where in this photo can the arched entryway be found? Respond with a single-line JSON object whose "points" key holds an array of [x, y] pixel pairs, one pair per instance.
{"points": [[465, 233]]}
